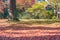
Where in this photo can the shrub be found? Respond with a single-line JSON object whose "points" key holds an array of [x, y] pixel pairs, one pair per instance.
{"points": [[1, 15], [54, 17], [37, 11]]}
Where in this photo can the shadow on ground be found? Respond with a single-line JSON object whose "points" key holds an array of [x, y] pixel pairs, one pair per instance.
{"points": [[26, 27], [56, 37]]}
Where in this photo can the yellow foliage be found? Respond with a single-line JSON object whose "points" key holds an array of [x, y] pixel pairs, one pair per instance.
{"points": [[40, 5], [29, 10], [37, 6]]}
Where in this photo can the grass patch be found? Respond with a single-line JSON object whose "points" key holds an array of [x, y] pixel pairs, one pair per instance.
{"points": [[39, 21]]}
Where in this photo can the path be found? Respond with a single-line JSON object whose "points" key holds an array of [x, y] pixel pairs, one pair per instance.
{"points": [[14, 32]]}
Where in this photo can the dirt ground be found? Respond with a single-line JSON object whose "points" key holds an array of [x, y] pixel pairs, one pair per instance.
{"points": [[17, 31]]}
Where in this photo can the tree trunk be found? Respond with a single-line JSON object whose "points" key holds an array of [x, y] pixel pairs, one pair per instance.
{"points": [[13, 9], [56, 8]]}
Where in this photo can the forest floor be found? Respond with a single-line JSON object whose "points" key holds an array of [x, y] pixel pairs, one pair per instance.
{"points": [[18, 31]]}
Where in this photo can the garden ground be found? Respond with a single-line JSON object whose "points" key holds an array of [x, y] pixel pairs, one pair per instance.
{"points": [[18, 31]]}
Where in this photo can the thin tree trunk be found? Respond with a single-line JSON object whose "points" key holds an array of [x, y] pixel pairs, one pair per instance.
{"points": [[56, 8]]}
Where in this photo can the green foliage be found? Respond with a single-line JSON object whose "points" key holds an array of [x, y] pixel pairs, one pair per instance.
{"points": [[37, 6], [39, 21], [37, 11], [54, 17], [22, 14], [54, 1], [1, 15]]}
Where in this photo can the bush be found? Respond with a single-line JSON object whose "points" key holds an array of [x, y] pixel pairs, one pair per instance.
{"points": [[37, 11], [1, 15], [54, 17]]}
